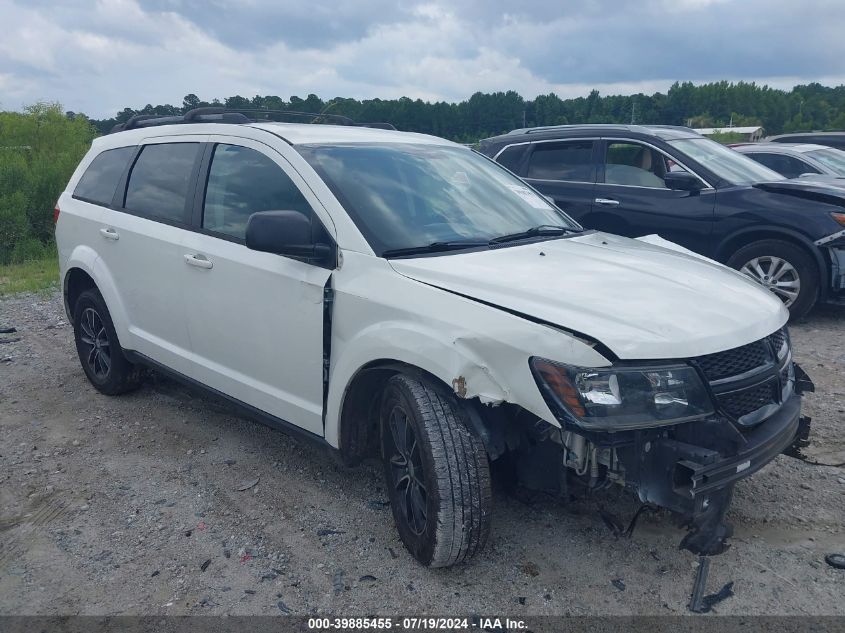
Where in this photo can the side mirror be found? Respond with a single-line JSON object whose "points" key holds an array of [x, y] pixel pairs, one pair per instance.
{"points": [[284, 233], [682, 181]]}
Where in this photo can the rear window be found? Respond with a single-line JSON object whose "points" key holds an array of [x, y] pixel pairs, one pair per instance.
{"points": [[99, 181], [160, 180]]}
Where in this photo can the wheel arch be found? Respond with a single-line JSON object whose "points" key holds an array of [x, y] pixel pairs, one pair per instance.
{"points": [[742, 238], [76, 281], [83, 270], [358, 430]]}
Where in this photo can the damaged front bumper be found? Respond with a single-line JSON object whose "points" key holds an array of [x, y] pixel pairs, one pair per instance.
{"points": [[690, 468], [691, 473], [680, 475], [833, 246]]}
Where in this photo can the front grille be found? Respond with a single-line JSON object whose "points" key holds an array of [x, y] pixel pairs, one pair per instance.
{"points": [[735, 361], [740, 403], [777, 339], [720, 368]]}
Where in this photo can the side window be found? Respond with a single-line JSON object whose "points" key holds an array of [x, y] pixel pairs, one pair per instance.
{"points": [[636, 165], [572, 160], [783, 164], [160, 180], [99, 181], [242, 181], [768, 160], [511, 157]]}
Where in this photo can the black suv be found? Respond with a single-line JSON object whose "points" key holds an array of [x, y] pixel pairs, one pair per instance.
{"points": [[789, 235]]}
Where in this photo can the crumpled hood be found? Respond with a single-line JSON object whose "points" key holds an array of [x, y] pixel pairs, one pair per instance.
{"points": [[641, 300]]}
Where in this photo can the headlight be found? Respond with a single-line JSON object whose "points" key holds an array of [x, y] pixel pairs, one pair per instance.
{"points": [[618, 398]]}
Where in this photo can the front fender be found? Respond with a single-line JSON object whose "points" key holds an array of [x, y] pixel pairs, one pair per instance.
{"points": [[477, 350]]}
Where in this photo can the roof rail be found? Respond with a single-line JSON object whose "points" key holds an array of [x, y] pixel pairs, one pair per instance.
{"points": [[214, 114], [545, 128], [685, 128]]}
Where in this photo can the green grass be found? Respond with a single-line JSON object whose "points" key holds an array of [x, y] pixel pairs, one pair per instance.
{"points": [[32, 276]]}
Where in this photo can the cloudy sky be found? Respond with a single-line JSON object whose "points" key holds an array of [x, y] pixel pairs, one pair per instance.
{"points": [[98, 56]]}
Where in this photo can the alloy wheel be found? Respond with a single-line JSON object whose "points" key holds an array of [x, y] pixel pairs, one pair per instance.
{"points": [[95, 341], [408, 477], [776, 274]]}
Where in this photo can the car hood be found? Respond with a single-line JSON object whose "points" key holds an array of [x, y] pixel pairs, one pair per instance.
{"points": [[641, 300], [822, 188]]}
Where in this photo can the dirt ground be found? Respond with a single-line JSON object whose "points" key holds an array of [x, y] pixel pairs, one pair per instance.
{"points": [[131, 505]]}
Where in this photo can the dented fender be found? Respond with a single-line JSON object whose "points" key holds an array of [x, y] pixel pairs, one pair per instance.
{"points": [[478, 350]]}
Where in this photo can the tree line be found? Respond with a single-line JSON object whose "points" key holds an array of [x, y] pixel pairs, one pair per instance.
{"points": [[41, 145], [805, 107], [39, 150]]}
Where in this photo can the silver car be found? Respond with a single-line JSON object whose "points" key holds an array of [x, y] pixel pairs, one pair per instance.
{"points": [[797, 159]]}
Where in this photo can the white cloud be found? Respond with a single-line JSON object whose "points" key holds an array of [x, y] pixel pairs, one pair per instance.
{"points": [[122, 53]]}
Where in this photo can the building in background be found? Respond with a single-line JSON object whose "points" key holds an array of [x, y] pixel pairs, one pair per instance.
{"points": [[751, 133]]}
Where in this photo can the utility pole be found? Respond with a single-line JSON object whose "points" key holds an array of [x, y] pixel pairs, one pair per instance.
{"points": [[633, 111]]}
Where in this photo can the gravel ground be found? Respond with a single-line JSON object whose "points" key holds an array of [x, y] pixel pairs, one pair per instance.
{"points": [[133, 505]]}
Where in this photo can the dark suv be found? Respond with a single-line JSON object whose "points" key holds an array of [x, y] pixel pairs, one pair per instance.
{"points": [[789, 235]]}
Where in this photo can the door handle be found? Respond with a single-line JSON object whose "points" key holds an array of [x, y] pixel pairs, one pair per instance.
{"points": [[110, 234], [607, 202], [195, 259]]}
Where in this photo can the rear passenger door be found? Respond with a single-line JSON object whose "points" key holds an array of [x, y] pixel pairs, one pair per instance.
{"points": [[256, 319], [140, 238], [565, 171]]}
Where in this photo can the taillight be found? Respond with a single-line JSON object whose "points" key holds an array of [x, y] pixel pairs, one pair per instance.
{"points": [[56, 212]]}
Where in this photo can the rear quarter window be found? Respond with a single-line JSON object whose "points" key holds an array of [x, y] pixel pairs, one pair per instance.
{"points": [[99, 181], [160, 180]]}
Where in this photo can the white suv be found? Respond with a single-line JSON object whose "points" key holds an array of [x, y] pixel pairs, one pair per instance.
{"points": [[399, 296]]}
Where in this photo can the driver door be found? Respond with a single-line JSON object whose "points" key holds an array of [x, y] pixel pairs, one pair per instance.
{"points": [[255, 319], [631, 198]]}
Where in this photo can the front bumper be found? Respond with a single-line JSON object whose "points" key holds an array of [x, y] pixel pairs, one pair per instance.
{"points": [[681, 476], [836, 253]]}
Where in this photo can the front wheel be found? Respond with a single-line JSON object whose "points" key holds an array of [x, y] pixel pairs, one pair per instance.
{"points": [[785, 269], [438, 476]]}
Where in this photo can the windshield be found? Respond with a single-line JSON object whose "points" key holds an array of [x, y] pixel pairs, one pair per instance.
{"points": [[726, 163], [833, 159], [406, 196]]}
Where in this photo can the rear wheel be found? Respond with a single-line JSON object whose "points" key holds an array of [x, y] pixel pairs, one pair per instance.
{"points": [[437, 473], [785, 269], [99, 351]]}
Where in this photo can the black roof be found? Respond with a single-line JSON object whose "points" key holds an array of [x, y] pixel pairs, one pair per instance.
{"points": [[665, 132]]}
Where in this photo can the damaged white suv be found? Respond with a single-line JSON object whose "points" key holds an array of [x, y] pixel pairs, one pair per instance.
{"points": [[399, 296]]}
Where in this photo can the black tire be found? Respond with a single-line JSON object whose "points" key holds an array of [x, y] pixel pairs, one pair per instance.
{"points": [[455, 475], [99, 350], [798, 258]]}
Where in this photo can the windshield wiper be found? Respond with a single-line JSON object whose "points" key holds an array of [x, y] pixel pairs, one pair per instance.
{"points": [[434, 247], [543, 229]]}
